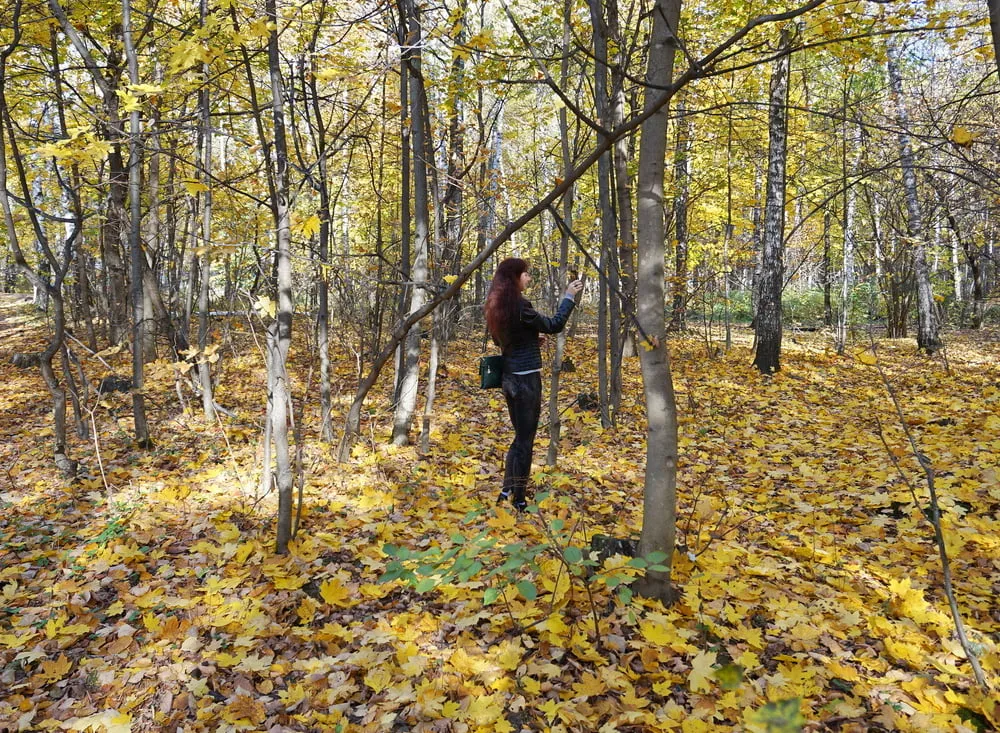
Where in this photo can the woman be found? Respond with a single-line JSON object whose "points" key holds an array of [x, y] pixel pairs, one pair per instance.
{"points": [[515, 327]]}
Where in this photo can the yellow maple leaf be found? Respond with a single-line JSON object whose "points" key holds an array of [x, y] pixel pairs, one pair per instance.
{"points": [[152, 622], [962, 137], [468, 665], [13, 641], [484, 709], [309, 227], [146, 88], [292, 696], [289, 582], [265, 306], [658, 632], [590, 685], [256, 663], [378, 679], [243, 710], [555, 625], [194, 187], [336, 593], [224, 659], [509, 655], [550, 708], [702, 666], [54, 670], [109, 721], [130, 102]]}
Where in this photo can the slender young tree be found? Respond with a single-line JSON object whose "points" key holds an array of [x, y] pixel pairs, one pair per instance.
{"points": [[768, 321], [660, 485], [205, 173], [107, 78], [682, 186], [565, 144], [927, 323], [847, 226], [57, 266], [279, 332], [607, 325], [623, 199], [409, 376], [136, 255]]}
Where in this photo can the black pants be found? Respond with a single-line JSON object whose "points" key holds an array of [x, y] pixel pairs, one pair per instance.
{"points": [[524, 403]]}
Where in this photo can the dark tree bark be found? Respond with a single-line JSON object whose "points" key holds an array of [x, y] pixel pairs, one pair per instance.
{"points": [[682, 186], [607, 324], [825, 271], [768, 321], [660, 485], [994, 8], [624, 205]]}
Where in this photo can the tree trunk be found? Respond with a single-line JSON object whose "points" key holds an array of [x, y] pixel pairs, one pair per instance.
{"points": [[928, 339], [405, 185], [660, 486], [114, 232], [71, 193], [847, 228], [409, 377], [555, 419], [682, 185], [204, 292], [623, 199], [826, 270], [605, 324], [451, 259], [279, 333], [994, 7], [768, 314], [57, 269], [152, 233], [136, 254], [323, 281]]}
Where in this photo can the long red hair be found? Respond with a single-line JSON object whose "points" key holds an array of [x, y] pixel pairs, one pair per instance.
{"points": [[503, 301]]}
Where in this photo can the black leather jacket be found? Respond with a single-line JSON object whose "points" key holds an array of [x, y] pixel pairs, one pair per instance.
{"points": [[521, 352]]}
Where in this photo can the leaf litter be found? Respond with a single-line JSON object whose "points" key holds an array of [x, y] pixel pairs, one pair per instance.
{"points": [[150, 598]]}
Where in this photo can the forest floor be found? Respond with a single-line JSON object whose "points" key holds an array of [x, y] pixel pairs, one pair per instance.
{"points": [[146, 595]]}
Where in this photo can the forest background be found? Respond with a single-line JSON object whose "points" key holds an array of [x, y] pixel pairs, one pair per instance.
{"points": [[258, 240]]}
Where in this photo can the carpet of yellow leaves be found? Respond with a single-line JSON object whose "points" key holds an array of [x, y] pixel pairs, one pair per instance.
{"points": [[149, 598]]}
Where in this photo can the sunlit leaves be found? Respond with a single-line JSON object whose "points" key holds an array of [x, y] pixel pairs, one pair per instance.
{"points": [[82, 146], [819, 582]]}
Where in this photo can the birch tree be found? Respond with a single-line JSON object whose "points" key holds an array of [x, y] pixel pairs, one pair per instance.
{"points": [[927, 323], [409, 374], [141, 426], [767, 357]]}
